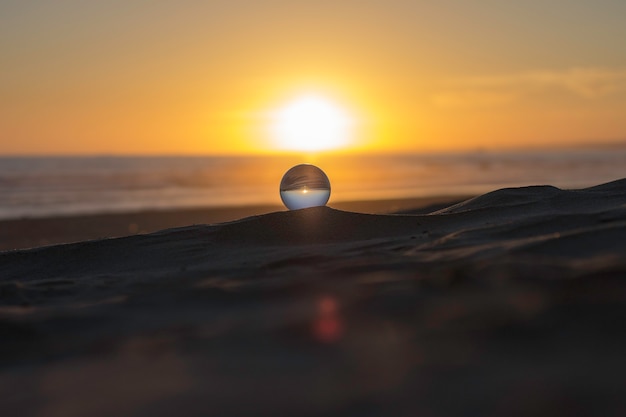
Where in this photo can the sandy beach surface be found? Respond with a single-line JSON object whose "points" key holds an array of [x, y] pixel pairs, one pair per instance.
{"points": [[511, 303]]}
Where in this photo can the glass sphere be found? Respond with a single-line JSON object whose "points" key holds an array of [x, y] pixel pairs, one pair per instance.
{"points": [[304, 186]]}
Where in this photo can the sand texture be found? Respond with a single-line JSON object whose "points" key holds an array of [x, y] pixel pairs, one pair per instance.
{"points": [[508, 304], [24, 233]]}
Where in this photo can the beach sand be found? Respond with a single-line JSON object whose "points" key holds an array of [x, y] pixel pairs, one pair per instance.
{"points": [[28, 232], [507, 304]]}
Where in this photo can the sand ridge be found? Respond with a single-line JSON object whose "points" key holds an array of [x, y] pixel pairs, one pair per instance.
{"points": [[504, 219]]}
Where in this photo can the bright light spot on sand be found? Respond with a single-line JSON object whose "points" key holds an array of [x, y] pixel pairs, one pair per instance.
{"points": [[311, 123], [304, 186]]}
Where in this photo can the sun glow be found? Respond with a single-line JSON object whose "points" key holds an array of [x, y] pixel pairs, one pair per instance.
{"points": [[311, 123]]}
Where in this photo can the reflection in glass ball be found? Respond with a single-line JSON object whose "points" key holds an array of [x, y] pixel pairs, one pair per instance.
{"points": [[304, 186]]}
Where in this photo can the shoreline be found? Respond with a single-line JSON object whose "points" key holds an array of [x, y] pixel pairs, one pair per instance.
{"points": [[32, 232]]}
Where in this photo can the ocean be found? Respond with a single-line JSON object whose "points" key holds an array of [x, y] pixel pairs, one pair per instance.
{"points": [[53, 186]]}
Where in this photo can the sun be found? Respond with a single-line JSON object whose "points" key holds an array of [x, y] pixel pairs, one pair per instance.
{"points": [[311, 123]]}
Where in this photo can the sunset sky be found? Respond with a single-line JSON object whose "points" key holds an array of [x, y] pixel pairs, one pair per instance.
{"points": [[193, 77]]}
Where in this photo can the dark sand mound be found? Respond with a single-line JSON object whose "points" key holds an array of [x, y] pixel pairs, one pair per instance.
{"points": [[510, 303]]}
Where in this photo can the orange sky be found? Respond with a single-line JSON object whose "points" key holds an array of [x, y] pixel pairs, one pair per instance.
{"points": [[130, 77]]}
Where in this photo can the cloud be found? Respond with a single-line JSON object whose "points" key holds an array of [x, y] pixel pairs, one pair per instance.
{"points": [[588, 83]]}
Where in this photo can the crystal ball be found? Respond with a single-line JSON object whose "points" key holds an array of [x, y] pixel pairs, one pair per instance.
{"points": [[304, 186]]}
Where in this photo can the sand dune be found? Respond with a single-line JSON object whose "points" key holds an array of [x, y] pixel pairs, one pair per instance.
{"points": [[510, 303]]}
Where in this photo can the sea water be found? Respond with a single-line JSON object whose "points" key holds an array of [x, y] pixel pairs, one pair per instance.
{"points": [[45, 186], [299, 199]]}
